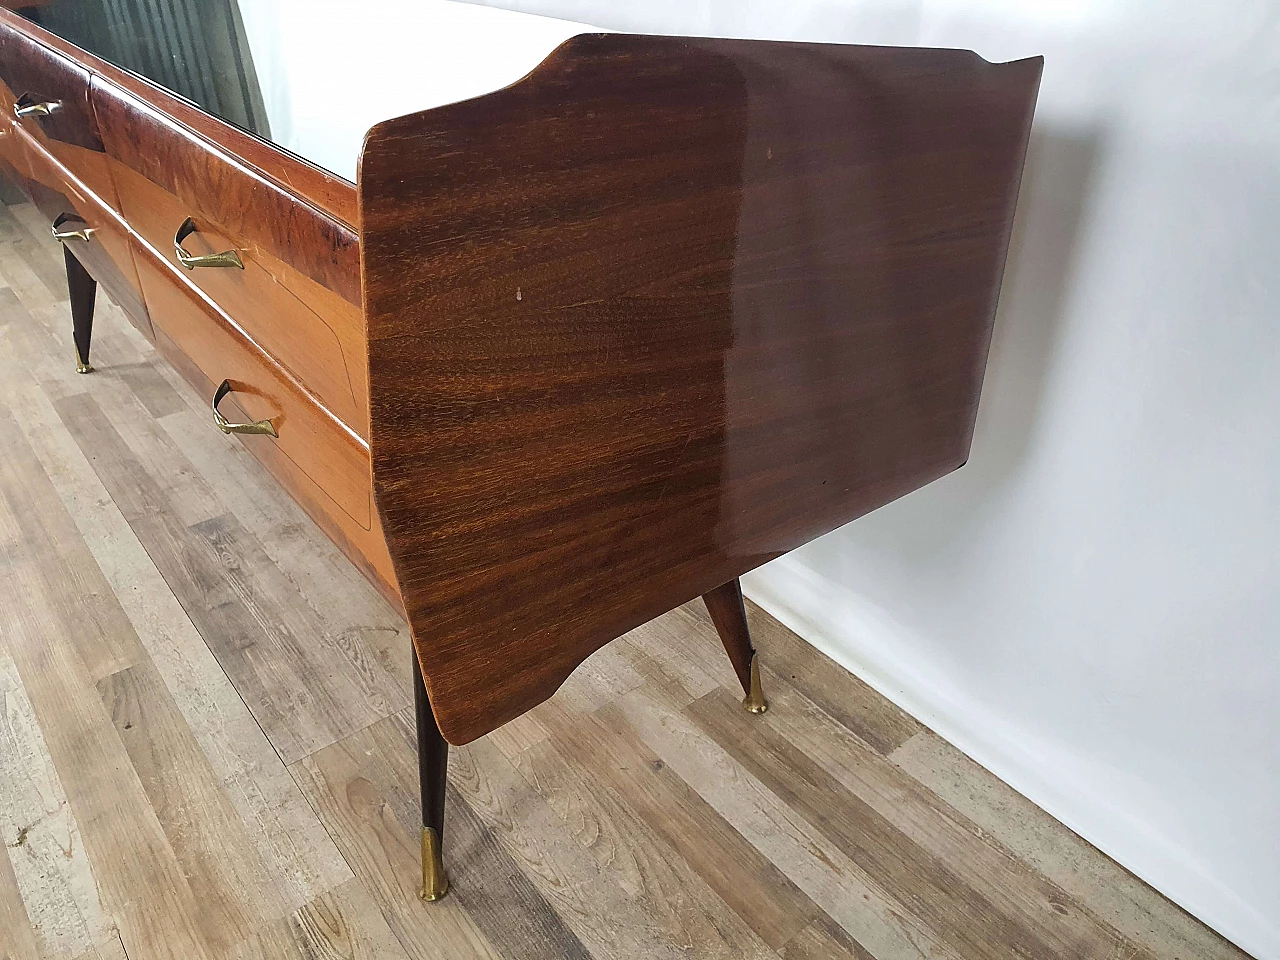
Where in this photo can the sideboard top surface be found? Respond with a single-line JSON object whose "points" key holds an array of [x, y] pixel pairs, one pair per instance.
{"points": [[306, 75]]}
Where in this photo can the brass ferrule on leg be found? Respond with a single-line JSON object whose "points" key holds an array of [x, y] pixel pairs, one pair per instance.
{"points": [[754, 700], [81, 365], [435, 882]]}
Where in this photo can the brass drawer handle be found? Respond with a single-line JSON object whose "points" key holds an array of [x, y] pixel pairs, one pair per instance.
{"points": [[81, 232], [227, 258], [264, 427], [26, 107]]}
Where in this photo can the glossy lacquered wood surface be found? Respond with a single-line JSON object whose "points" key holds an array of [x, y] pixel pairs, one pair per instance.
{"points": [[212, 183], [287, 330], [660, 312], [323, 346], [30, 68], [69, 134], [297, 294], [322, 447]]}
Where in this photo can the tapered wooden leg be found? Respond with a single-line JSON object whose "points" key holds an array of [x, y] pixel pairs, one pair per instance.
{"points": [[83, 290], [433, 762], [729, 614]]}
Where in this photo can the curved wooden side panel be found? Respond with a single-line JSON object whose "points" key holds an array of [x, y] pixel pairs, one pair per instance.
{"points": [[660, 312]]}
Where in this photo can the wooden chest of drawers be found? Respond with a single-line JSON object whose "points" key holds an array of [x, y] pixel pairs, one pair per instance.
{"points": [[570, 353]]}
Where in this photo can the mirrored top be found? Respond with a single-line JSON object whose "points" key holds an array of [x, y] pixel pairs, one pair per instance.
{"points": [[311, 76]]}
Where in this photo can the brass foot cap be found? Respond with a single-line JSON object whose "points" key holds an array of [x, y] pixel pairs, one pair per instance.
{"points": [[82, 367], [435, 882], [754, 701]]}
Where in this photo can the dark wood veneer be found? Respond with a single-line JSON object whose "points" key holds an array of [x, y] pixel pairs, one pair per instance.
{"points": [[660, 312], [32, 68]]}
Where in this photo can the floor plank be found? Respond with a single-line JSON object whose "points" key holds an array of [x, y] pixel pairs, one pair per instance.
{"points": [[990, 919], [51, 903], [770, 903], [641, 860], [811, 861], [365, 788], [116, 823], [293, 846], [1097, 882], [824, 940], [344, 923]]}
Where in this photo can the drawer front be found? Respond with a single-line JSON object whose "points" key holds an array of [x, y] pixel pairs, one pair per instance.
{"points": [[108, 252], [165, 174], [304, 341], [213, 348], [34, 77]]}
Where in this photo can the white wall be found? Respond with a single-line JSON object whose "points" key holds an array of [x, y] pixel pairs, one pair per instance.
{"points": [[440, 52], [1091, 608]]}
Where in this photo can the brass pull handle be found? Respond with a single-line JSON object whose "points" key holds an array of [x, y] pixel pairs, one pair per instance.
{"points": [[264, 427], [82, 232], [26, 107], [227, 258]]}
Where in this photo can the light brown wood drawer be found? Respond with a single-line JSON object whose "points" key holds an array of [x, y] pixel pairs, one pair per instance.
{"points": [[107, 253], [165, 174], [208, 346]]}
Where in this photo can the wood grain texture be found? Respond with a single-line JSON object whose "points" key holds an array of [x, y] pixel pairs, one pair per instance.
{"points": [[366, 791], [215, 185], [32, 69], [709, 300], [824, 940], [211, 347], [305, 694], [754, 887], [803, 853], [644, 864], [1008, 913], [125, 748], [315, 333], [727, 612], [70, 133], [291, 846]]}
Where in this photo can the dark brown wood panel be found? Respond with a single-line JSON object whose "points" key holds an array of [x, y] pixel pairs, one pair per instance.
{"points": [[29, 68], [660, 312], [41, 74]]}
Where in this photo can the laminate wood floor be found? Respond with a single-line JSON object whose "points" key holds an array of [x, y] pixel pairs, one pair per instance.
{"points": [[207, 747]]}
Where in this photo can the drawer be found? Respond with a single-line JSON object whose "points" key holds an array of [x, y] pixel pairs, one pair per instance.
{"points": [[35, 77], [107, 253], [299, 338], [165, 174], [310, 441]]}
